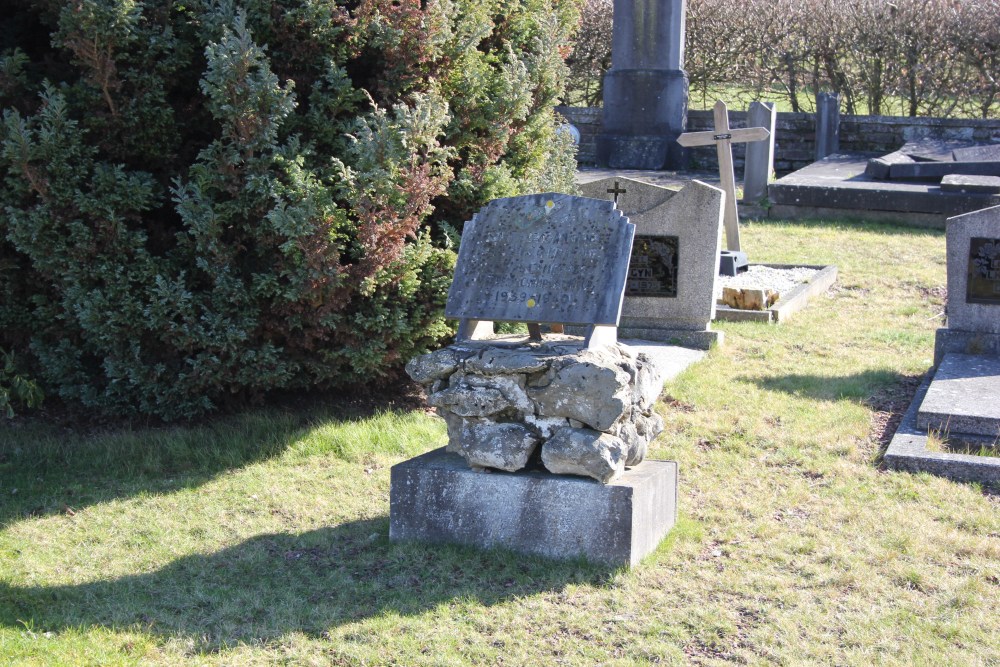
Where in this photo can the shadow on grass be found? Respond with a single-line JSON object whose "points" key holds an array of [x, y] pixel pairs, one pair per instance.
{"points": [[864, 386], [272, 585], [46, 470]]}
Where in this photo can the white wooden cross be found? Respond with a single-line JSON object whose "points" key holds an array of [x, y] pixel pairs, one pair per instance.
{"points": [[723, 138]]}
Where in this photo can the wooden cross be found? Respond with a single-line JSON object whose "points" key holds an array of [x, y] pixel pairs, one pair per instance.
{"points": [[616, 191], [723, 138]]}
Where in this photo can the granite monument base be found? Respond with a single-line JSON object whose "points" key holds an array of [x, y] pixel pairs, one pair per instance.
{"points": [[436, 497], [837, 186], [645, 110], [964, 342]]}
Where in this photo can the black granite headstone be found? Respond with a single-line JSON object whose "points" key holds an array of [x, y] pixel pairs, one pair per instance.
{"points": [[983, 285], [653, 267]]}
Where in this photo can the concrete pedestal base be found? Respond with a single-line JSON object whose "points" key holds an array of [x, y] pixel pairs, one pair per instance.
{"points": [[645, 111], [436, 497]]}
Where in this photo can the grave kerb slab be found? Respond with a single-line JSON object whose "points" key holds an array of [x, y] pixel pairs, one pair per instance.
{"points": [[908, 452], [788, 304]]}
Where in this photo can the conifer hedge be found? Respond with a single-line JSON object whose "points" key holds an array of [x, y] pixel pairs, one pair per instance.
{"points": [[202, 201]]}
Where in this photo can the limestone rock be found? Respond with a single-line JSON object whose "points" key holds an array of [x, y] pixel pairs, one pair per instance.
{"points": [[546, 426], [433, 366], [590, 411], [648, 383], [591, 389], [506, 362], [577, 451], [512, 389], [636, 433], [466, 401], [492, 445]]}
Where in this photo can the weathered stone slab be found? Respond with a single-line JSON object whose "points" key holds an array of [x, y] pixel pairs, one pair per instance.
{"points": [[960, 183], [984, 153], [964, 397], [437, 498], [937, 170], [759, 164], [878, 167], [837, 186], [928, 149], [670, 292], [827, 124], [548, 258], [973, 256]]}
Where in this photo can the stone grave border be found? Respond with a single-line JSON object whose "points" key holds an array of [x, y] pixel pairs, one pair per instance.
{"points": [[794, 301], [908, 451]]}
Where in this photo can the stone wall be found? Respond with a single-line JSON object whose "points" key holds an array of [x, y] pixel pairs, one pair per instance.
{"points": [[795, 143], [512, 404]]}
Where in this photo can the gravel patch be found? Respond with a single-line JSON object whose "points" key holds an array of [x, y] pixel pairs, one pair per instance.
{"points": [[765, 277]]}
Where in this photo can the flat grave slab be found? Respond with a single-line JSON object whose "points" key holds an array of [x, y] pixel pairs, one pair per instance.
{"points": [[978, 184], [963, 397], [986, 152], [837, 186], [908, 451], [436, 497]]}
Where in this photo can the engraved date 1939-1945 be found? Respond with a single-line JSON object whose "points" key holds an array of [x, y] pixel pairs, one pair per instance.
{"points": [[548, 299]]}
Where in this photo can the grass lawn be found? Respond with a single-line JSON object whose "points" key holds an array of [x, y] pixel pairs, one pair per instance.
{"points": [[262, 538]]}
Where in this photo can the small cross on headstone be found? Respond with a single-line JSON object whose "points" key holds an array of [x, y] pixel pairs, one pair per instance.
{"points": [[616, 191], [723, 137]]}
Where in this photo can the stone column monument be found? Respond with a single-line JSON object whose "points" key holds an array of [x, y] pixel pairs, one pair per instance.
{"points": [[646, 89]]}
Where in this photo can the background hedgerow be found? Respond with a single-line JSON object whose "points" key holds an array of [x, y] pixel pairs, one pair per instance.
{"points": [[884, 57], [208, 200]]}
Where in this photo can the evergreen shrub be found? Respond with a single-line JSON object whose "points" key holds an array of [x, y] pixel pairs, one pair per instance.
{"points": [[203, 201]]}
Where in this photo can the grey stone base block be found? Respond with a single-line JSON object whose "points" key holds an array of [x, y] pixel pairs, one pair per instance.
{"points": [[963, 397], [908, 452], [644, 112], [698, 340], [795, 300], [645, 151], [435, 497], [793, 212], [948, 340]]}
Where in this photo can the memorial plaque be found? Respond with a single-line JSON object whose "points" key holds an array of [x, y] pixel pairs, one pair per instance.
{"points": [[546, 258], [983, 284], [984, 153], [653, 267]]}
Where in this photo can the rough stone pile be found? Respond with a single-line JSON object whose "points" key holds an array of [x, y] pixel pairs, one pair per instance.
{"points": [[508, 403]]}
